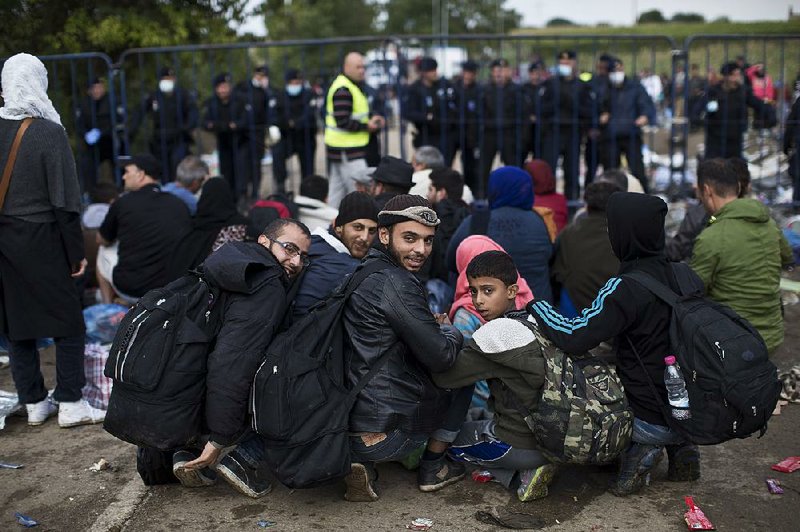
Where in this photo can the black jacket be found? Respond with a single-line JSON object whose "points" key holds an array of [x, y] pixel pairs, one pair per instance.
{"points": [[680, 247], [174, 115], [430, 109], [389, 311], [504, 106], [624, 309], [254, 288], [228, 120], [566, 103], [729, 120]]}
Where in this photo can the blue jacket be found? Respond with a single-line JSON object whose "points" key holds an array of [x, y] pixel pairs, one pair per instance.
{"points": [[330, 263], [625, 104], [523, 234]]}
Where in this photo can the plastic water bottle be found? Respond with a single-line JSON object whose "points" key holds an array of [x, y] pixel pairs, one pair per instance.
{"points": [[676, 389]]}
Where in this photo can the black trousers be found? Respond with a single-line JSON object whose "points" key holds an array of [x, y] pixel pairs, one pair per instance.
{"points": [[469, 164], [27, 373], [724, 147], [296, 142], [253, 153], [631, 145], [567, 143]]}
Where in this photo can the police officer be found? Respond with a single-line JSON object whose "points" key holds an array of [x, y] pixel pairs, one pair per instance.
{"points": [[430, 106], [627, 108], [261, 101], [226, 116], [93, 122], [565, 112], [467, 94], [296, 118], [504, 114], [537, 74], [598, 85], [173, 113]]}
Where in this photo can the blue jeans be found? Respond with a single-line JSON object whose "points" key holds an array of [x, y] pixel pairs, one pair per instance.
{"points": [[395, 447], [251, 448], [650, 434]]}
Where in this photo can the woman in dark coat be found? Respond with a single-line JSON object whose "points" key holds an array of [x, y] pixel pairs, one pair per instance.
{"points": [[216, 223], [41, 248]]}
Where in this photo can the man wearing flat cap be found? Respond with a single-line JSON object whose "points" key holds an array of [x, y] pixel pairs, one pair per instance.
{"points": [[226, 116], [391, 178], [296, 117], [174, 116], [429, 104], [388, 323]]}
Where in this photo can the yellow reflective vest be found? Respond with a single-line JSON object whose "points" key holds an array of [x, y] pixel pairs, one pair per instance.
{"points": [[335, 137]]}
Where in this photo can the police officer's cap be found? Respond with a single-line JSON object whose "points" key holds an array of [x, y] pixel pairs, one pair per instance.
{"points": [[94, 81], [470, 66], [263, 69], [498, 63], [728, 68], [292, 74], [166, 72], [568, 54], [428, 64], [536, 65], [224, 77]]}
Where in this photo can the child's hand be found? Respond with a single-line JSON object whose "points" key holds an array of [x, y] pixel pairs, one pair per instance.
{"points": [[442, 319]]}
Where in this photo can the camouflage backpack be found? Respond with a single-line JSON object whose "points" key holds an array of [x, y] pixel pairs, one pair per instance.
{"points": [[583, 415]]}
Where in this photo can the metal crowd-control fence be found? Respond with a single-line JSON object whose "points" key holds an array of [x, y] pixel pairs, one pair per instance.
{"points": [[140, 120], [777, 58]]}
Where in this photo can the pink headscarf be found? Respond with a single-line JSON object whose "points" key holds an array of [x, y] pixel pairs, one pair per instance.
{"points": [[470, 248]]}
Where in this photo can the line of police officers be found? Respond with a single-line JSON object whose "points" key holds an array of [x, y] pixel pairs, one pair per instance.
{"points": [[548, 117]]}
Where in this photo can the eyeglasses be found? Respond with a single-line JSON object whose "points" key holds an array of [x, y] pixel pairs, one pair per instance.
{"points": [[292, 250]]}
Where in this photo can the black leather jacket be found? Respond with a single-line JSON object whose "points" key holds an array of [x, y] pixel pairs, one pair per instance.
{"points": [[389, 311]]}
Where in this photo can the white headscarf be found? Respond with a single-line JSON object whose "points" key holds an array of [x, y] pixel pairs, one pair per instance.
{"points": [[25, 90]]}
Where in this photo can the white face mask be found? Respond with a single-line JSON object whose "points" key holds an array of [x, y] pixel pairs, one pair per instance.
{"points": [[617, 77], [294, 90], [564, 70], [166, 85]]}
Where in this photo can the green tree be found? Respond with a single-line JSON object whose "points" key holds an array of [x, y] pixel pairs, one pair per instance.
{"points": [[559, 21], [687, 17], [463, 16], [317, 19], [654, 16], [111, 26]]}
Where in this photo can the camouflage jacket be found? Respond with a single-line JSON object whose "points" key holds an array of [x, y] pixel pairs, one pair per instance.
{"points": [[504, 352]]}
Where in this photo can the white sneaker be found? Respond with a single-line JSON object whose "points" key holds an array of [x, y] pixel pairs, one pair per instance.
{"points": [[79, 413], [39, 412]]}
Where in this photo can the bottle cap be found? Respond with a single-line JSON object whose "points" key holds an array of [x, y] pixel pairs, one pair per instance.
{"points": [[670, 360]]}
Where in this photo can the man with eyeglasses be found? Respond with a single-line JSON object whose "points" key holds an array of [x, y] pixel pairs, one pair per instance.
{"points": [[254, 281]]}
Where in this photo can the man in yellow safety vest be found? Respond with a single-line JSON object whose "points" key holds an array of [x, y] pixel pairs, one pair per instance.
{"points": [[347, 127]]}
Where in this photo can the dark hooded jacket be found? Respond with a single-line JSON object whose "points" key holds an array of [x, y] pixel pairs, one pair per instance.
{"points": [[625, 310], [253, 291], [389, 312]]}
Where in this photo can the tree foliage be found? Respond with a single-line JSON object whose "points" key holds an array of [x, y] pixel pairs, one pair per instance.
{"points": [[687, 17], [559, 21], [318, 19], [111, 26], [463, 16], [654, 16]]}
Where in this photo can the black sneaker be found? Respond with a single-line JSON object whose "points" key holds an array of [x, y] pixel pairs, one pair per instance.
{"points": [[191, 478], [684, 463], [360, 487], [434, 475], [635, 467], [242, 476]]}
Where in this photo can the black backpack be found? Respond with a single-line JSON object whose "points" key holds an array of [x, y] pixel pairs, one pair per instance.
{"points": [[158, 364], [733, 387], [301, 399]]}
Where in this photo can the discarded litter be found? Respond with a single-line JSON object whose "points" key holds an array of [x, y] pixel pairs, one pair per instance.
{"points": [[420, 523], [695, 518], [774, 486], [26, 521], [266, 524], [101, 465], [9, 403], [788, 465], [482, 477], [6, 465]]}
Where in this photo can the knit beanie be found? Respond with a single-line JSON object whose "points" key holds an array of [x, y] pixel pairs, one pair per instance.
{"points": [[405, 208], [355, 206]]}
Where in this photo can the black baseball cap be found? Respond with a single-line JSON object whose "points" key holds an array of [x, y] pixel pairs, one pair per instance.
{"points": [[470, 66]]}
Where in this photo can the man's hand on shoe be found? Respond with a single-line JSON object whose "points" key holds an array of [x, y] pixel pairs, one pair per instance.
{"points": [[208, 457]]}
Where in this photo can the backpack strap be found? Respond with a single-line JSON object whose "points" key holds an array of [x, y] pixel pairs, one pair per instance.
{"points": [[658, 289], [651, 384], [5, 181]]}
